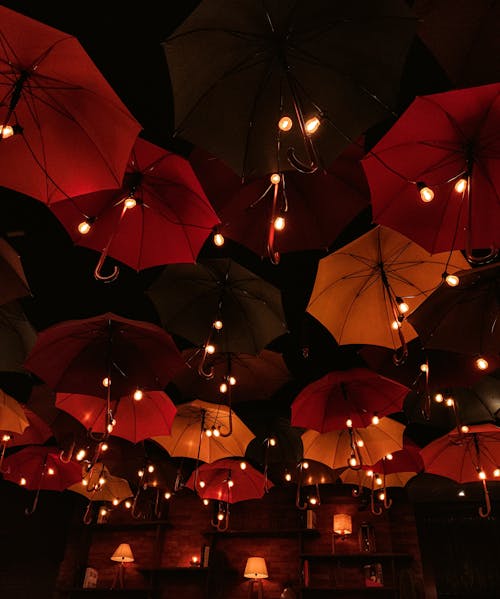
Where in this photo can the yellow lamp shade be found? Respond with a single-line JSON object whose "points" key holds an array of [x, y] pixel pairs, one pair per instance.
{"points": [[342, 524], [123, 554], [256, 568]]}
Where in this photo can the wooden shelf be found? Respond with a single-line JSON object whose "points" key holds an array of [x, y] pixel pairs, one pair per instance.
{"points": [[263, 532], [132, 524], [175, 569], [389, 589], [355, 556]]}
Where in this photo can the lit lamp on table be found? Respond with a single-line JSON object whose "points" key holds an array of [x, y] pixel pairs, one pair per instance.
{"points": [[123, 555], [342, 527], [255, 570]]}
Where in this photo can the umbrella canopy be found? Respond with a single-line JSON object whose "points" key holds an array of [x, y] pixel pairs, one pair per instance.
{"points": [[17, 337], [356, 395], [257, 63], [188, 437], [12, 416], [193, 300], [135, 419], [463, 36], [479, 403], [159, 215], [317, 207], [36, 433], [113, 488], [464, 318], [14, 283], [370, 479], [39, 467], [76, 356], [256, 377], [360, 290], [72, 134], [226, 480], [367, 445], [447, 147]]}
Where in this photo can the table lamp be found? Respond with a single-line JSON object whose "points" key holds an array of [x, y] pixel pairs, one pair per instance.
{"points": [[255, 570], [122, 554], [342, 527]]}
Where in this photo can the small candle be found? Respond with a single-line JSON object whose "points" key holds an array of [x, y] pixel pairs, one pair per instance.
{"points": [[195, 561]]}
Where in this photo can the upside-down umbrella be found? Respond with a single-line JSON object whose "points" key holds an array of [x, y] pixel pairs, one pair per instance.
{"points": [[218, 302], [76, 356], [315, 208], [136, 416], [466, 457], [14, 283], [363, 290], [17, 337], [354, 447], [189, 438], [38, 467], [463, 318], [254, 377], [463, 36], [259, 62], [71, 132], [159, 215], [434, 176], [357, 395]]}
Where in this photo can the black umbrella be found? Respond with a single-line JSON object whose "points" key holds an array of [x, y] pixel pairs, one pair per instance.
{"points": [[236, 73]]}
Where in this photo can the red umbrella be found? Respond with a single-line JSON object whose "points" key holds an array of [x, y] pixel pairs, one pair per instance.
{"points": [[77, 356], [358, 395], [159, 215], [447, 147], [136, 419], [36, 433], [466, 457], [38, 467], [70, 133], [317, 207]]}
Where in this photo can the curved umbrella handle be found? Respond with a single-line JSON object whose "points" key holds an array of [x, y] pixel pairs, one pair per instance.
{"points": [[376, 511], [387, 500], [298, 504], [493, 253], [298, 165], [157, 508], [29, 510], [486, 511], [208, 374], [63, 458], [274, 256], [356, 491], [223, 525], [478, 260], [98, 270], [87, 516]]}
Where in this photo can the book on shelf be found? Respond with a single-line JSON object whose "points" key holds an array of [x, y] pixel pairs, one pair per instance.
{"points": [[373, 575]]}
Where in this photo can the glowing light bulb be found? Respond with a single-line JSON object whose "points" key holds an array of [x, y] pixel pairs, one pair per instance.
{"points": [[389, 456], [115, 501], [272, 442], [275, 178], [218, 325], [461, 493], [220, 516], [84, 227], [210, 349], [138, 395], [353, 461], [395, 325], [313, 500], [288, 477], [496, 472], [80, 455], [216, 432], [279, 223], [151, 468], [375, 419], [449, 402], [106, 381], [103, 511], [140, 473], [360, 443], [202, 484], [104, 447], [285, 123], [110, 427], [208, 432], [461, 185], [167, 495], [128, 504], [102, 481], [5, 438], [378, 480], [369, 473], [464, 428], [348, 423], [482, 364], [230, 483], [232, 381], [381, 496], [402, 305], [424, 367], [305, 465], [23, 481], [426, 193], [312, 125], [130, 202], [206, 502], [438, 398], [452, 280], [243, 465], [218, 239], [6, 131], [51, 471], [223, 388], [482, 474], [85, 482]]}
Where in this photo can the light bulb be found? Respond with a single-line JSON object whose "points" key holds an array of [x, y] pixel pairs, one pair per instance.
{"points": [[272, 442], [210, 349], [389, 457], [378, 480], [110, 427], [208, 432], [369, 473], [275, 178], [5, 438], [375, 419], [102, 480], [449, 402], [6, 131], [218, 325], [438, 398], [285, 123], [464, 428], [496, 472], [461, 493], [151, 468], [104, 447], [202, 484], [130, 202], [243, 465], [106, 381], [424, 367], [22, 482], [80, 455], [167, 495], [482, 474], [395, 325], [138, 395], [84, 227], [482, 363], [313, 500], [140, 473], [230, 483], [381, 496], [348, 423], [279, 223], [461, 185], [85, 482], [216, 432], [305, 465], [51, 471], [128, 504], [426, 193], [223, 387], [232, 381], [288, 477], [220, 516], [360, 443], [116, 501], [312, 125], [218, 239], [452, 280], [103, 511], [353, 461], [206, 502]]}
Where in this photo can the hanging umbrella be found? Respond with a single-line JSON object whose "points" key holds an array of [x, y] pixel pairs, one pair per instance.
{"points": [[257, 63], [14, 283], [159, 215], [463, 318], [76, 356], [479, 403], [188, 437], [447, 147], [316, 207], [17, 337], [36, 433], [255, 377], [466, 457], [364, 289], [98, 484], [137, 416], [38, 467], [308, 475], [354, 447], [12, 416], [218, 302], [358, 395], [463, 36], [70, 133]]}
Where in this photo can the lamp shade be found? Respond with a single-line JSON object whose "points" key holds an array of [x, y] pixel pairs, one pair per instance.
{"points": [[256, 568], [123, 554], [342, 524]]}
